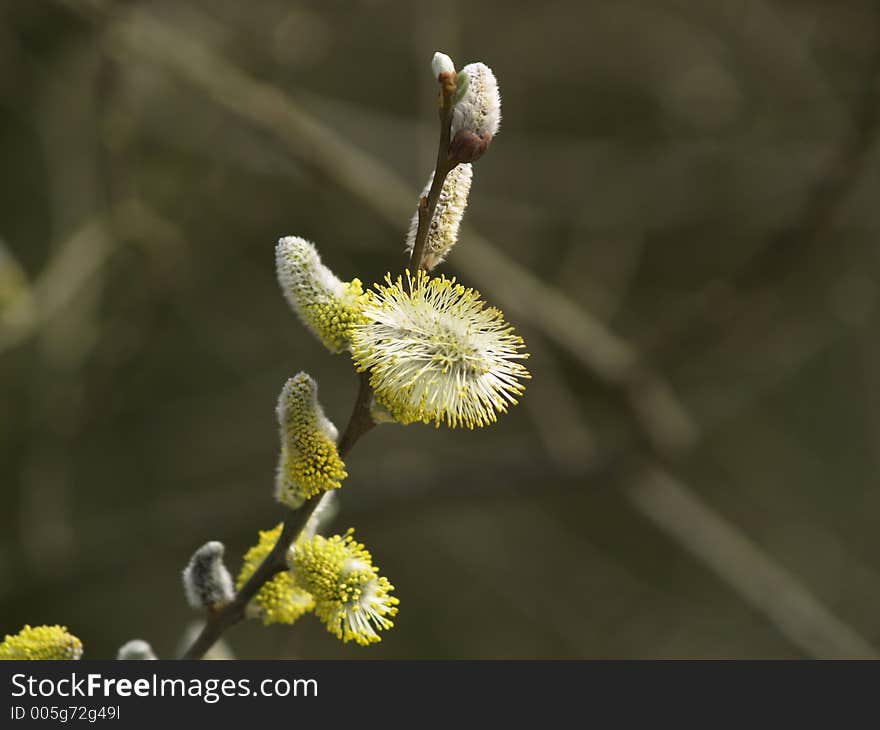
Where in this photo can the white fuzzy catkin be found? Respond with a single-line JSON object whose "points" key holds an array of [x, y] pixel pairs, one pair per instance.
{"points": [[206, 581], [443, 232], [324, 303], [479, 110], [441, 63], [136, 649]]}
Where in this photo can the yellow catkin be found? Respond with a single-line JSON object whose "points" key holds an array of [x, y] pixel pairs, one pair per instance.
{"points": [[309, 463], [352, 600], [437, 354], [41, 643], [280, 600], [326, 305]]}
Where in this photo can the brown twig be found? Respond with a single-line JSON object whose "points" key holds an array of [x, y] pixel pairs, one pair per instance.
{"points": [[275, 562], [444, 165]]}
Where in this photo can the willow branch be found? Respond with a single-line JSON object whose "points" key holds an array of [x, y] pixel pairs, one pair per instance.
{"points": [[219, 621], [442, 168], [612, 360]]}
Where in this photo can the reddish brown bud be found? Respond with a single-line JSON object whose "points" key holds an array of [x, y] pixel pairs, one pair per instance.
{"points": [[467, 146]]}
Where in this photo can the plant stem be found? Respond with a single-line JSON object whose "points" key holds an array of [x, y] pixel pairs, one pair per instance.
{"points": [[275, 562], [427, 205], [359, 423]]}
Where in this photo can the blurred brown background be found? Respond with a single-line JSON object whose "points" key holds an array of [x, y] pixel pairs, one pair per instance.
{"points": [[680, 216]]}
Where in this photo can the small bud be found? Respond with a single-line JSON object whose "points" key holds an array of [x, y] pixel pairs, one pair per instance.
{"points": [[477, 116], [467, 146], [136, 649], [443, 232], [40, 643], [325, 305], [309, 463], [206, 581], [440, 64]]}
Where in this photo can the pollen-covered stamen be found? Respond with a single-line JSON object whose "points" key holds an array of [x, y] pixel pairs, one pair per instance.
{"points": [[437, 353], [324, 303], [443, 231], [352, 599], [372, 608], [309, 462], [41, 643]]}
